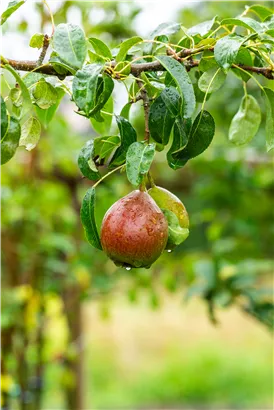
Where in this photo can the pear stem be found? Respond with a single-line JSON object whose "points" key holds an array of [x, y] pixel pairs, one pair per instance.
{"points": [[151, 180], [142, 186]]}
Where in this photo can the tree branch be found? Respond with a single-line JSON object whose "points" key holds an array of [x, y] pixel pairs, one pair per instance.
{"points": [[136, 69]]}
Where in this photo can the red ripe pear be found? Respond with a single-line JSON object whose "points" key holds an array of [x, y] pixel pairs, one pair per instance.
{"points": [[134, 231]]}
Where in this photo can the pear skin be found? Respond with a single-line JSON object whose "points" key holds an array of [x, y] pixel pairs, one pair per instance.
{"points": [[134, 231]]}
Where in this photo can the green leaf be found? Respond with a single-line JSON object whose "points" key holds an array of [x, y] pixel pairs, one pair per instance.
{"points": [[44, 94], [246, 22], [182, 80], [267, 39], [200, 95], [160, 121], [180, 135], [172, 100], [138, 161], [207, 61], [70, 44], [226, 49], [163, 29], [25, 92], [211, 80], [84, 87], [269, 23], [176, 234], [88, 219], [12, 7], [4, 117], [243, 57], [10, 139], [153, 86], [95, 58], [103, 146], [30, 133], [269, 94], [104, 126], [202, 28], [100, 48], [86, 163], [128, 136], [246, 121], [37, 40], [60, 66], [270, 32], [125, 110], [102, 98], [125, 46], [15, 96], [45, 116], [200, 137], [261, 11], [181, 132]]}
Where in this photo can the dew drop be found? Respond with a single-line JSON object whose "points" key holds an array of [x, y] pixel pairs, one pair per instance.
{"points": [[128, 268]]}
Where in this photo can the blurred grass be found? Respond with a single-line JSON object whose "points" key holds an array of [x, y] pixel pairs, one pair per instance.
{"points": [[172, 357], [203, 376]]}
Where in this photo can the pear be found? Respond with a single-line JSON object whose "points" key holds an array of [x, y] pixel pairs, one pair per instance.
{"points": [[167, 200], [134, 231]]}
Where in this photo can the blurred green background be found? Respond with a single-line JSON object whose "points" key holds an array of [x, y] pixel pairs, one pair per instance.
{"points": [[76, 330]]}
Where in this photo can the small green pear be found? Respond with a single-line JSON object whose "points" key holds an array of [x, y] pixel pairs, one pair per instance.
{"points": [[167, 200]]}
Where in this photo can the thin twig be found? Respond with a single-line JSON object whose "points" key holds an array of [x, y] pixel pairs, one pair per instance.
{"points": [[43, 51]]}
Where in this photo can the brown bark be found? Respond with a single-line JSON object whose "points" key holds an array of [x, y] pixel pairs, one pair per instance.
{"points": [[136, 69]]}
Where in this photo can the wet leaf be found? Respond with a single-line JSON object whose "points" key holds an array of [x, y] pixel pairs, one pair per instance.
{"points": [[125, 46], [100, 48], [10, 138], [30, 133], [69, 43], [88, 219], [37, 40], [212, 80], [84, 87], [45, 116], [103, 146], [202, 28], [138, 161], [200, 137], [4, 117], [226, 49], [86, 163], [182, 80], [246, 121], [160, 121], [44, 94], [128, 136], [12, 7], [246, 22]]}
